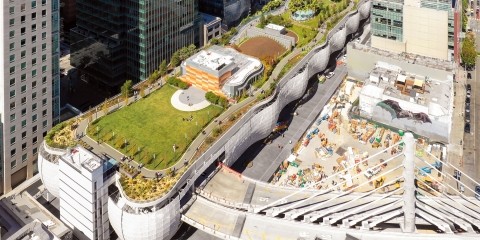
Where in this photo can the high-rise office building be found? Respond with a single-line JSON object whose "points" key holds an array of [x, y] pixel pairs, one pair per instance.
{"points": [[230, 11], [67, 18], [118, 40], [423, 27], [30, 102]]}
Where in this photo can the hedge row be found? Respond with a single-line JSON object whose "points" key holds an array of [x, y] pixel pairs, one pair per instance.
{"points": [[177, 83], [215, 99]]}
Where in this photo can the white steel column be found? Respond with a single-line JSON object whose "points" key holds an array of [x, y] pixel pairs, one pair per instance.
{"points": [[409, 184]]}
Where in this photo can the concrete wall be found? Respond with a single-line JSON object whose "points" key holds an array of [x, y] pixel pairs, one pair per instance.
{"points": [[285, 40], [388, 44], [425, 31]]}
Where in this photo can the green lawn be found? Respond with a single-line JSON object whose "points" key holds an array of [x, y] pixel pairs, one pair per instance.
{"points": [[152, 125], [304, 35]]}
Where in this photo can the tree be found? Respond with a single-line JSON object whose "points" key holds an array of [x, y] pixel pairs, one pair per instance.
{"points": [[127, 88], [162, 69], [175, 60], [469, 54], [263, 21], [105, 107]]}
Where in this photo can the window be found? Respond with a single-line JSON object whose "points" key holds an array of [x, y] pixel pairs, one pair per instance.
{"points": [[34, 73], [44, 13], [13, 152], [44, 69], [24, 112], [12, 70], [34, 129], [12, 22], [22, 7], [22, 30], [12, 58], [22, 19], [34, 16], [23, 77], [23, 65], [24, 123], [34, 95], [12, 46], [45, 123], [44, 24], [44, 57], [34, 140], [12, 140], [22, 42], [34, 107], [34, 38], [12, 82], [44, 35], [34, 50], [24, 146], [24, 100], [12, 10], [34, 62], [44, 113], [44, 46], [44, 80], [24, 157], [35, 150], [13, 164], [23, 88], [12, 117], [34, 4], [12, 129], [34, 117], [34, 27], [12, 34], [12, 93], [23, 53], [34, 84], [44, 2], [24, 135], [44, 91], [12, 106], [44, 102]]}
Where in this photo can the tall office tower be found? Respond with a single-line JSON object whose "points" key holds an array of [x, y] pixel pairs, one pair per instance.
{"points": [[118, 40], [230, 11], [423, 27], [30, 102], [67, 18]]}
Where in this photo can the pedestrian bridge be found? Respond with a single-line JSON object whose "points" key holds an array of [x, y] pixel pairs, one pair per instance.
{"points": [[410, 204]]}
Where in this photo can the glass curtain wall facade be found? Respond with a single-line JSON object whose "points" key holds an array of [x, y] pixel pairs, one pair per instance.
{"points": [[387, 19], [118, 40]]}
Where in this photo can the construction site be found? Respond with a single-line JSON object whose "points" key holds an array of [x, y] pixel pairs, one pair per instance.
{"points": [[338, 140]]}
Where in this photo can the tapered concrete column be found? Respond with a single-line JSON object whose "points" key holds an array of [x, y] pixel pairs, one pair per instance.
{"points": [[409, 184]]}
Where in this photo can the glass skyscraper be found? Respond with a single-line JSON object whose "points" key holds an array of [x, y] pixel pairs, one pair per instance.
{"points": [[119, 40]]}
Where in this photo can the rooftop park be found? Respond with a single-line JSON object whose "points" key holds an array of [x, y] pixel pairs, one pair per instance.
{"points": [[62, 135], [151, 130]]}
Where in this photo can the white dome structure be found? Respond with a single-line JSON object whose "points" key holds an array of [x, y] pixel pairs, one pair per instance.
{"points": [[48, 167]]}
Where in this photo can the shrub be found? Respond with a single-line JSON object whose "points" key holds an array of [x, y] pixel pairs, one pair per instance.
{"points": [[177, 83], [215, 99], [209, 140]]}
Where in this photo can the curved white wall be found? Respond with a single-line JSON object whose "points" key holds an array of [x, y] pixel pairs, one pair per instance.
{"points": [[48, 169], [156, 225]]}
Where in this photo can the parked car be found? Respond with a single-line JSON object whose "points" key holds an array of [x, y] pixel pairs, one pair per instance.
{"points": [[469, 87], [467, 115], [469, 75], [477, 192], [467, 128], [467, 100], [329, 75]]}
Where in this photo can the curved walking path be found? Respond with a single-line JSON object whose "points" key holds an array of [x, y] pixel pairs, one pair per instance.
{"points": [[178, 104], [103, 148]]}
